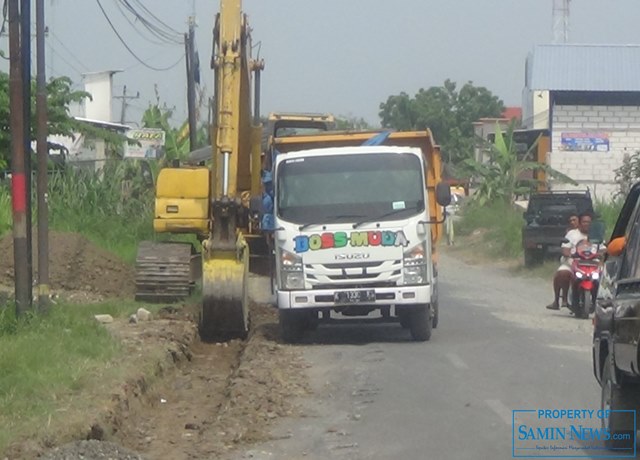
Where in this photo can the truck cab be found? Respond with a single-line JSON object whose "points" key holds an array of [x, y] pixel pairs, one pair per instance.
{"points": [[353, 236]]}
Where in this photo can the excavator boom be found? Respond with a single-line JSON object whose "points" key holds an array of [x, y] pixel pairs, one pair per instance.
{"points": [[212, 201]]}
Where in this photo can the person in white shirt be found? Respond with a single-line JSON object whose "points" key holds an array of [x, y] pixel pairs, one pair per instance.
{"points": [[563, 276]]}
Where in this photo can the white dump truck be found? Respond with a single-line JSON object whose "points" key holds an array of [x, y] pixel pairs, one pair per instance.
{"points": [[355, 230]]}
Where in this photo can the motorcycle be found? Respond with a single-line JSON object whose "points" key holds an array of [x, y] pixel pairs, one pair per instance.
{"points": [[586, 269]]}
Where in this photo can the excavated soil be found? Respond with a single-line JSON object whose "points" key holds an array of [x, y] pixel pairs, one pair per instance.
{"points": [[176, 396], [76, 266], [202, 400]]}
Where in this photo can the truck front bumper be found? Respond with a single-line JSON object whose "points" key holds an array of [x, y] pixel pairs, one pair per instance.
{"points": [[323, 298]]}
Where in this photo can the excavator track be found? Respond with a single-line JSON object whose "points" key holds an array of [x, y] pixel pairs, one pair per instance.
{"points": [[164, 271], [225, 301]]}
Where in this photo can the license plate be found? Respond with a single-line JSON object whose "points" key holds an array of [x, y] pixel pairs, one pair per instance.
{"points": [[354, 296]]}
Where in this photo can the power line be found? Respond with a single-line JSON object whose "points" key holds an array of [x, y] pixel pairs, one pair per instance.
{"points": [[71, 53], [150, 13], [135, 28], [172, 66], [66, 62], [168, 34], [127, 46]]}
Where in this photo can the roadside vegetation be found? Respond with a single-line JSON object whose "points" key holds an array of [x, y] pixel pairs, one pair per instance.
{"points": [[47, 361], [491, 223]]}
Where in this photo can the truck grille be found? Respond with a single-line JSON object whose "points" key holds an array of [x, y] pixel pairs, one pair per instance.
{"points": [[353, 274]]}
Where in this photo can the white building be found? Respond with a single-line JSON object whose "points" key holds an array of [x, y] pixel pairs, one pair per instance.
{"points": [[91, 153], [588, 96]]}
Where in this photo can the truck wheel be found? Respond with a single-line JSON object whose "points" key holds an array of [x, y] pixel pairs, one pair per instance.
{"points": [[617, 398], [420, 323], [434, 321], [533, 257], [292, 325]]}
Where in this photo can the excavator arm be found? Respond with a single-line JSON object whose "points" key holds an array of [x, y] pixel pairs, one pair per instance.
{"points": [[235, 178], [212, 201]]}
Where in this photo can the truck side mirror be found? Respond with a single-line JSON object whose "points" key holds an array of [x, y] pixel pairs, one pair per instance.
{"points": [[443, 194], [616, 246]]}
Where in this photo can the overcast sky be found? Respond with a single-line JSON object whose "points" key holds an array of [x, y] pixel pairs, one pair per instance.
{"points": [[338, 56]]}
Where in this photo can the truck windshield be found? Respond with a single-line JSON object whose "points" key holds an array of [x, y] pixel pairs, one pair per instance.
{"points": [[330, 189]]}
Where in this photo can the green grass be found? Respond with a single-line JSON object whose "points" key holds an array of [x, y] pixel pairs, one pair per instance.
{"points": [[99, 207], [608, 212], [5, 210], [96, 206], [47, 359], [501, 227]]}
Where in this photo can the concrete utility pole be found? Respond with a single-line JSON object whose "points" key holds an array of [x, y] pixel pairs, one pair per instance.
{"points": [[25, 47], [18, 179], [43, 162], [191, 84], [124, 97]]}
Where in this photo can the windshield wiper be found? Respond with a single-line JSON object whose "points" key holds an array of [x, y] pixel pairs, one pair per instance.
{"points": [[341, 216], [386, 214]]}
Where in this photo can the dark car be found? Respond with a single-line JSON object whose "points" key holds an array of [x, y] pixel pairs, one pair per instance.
{"points": [[546, 219], [616, 359]]}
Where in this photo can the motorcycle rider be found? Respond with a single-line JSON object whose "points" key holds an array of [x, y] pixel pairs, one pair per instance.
{"points": [[564, 277]]}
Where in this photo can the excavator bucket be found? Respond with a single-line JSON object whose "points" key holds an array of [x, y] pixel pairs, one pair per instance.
{"points": [[225, 299]]}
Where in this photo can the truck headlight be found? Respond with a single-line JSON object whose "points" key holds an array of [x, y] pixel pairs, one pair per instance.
{"points": [[595, 276], [415, 265], [291, 274]]}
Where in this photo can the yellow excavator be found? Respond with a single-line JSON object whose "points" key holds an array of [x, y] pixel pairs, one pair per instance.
{"points": [[212, 202]]}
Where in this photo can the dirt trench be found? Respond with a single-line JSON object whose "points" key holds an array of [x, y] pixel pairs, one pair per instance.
{"points": [[201, 401]]}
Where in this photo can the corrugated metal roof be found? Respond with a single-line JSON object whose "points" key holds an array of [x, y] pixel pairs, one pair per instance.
{"points": [[573, 67]]}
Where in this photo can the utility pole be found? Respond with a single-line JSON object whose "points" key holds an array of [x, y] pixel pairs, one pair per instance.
{"points": [[43, 162], [25, 50], [124, 97], [18, 179], [561, 13], [191, 83]]}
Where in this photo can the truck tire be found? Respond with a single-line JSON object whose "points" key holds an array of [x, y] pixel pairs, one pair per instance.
{"points": [[533, 257], [292, 325], [434, 321], [617, 398], [420, 323]]}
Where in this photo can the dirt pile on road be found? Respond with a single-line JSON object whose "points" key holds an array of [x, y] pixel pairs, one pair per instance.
{"points": [[75, 264]]}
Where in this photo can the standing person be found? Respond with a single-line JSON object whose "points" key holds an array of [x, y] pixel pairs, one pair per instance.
{"points": [[563, 276]]}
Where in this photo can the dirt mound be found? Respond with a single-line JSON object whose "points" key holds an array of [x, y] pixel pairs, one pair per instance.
{"points": [[75, 264]]}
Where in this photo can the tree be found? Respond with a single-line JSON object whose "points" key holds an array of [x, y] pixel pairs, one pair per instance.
{"points": [[502, 177], [627, 173], [351, 124], [177, 145], [60, 96], [447, 112]]}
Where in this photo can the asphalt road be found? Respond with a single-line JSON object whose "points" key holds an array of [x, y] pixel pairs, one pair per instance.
{"points": [[378, 395]]}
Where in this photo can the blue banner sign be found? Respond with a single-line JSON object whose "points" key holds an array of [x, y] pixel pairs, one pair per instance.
{"points": [[584, 142]]}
